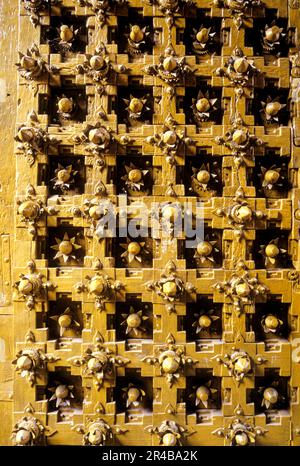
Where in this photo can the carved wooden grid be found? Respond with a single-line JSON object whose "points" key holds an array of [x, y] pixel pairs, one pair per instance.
{"points": [[169, 184]]}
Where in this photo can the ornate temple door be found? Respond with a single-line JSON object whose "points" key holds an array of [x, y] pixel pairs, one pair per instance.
{"points": [[124, 126]]}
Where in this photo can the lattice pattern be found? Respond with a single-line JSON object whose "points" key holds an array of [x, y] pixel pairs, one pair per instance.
{"points": [[146, 341]]}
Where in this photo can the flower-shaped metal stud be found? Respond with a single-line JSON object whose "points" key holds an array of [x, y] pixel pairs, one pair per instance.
{"points": [[32, 66], [241, 288], [270, 110], [134, 322], [66, 107], [203, 107], [33, 140], [271, 177], [240, 433], [205, 321], [66, 321], [137, 40], [62, 395], [239, 70], [98, 67], [135, 179], [171, 69], [64, 178], [205, 251], [203, 395], [98, 364], [26, 363], [66, 40], [98, 433], [202, 40], [134, 251], [271, 252], [28, 431], [97, 140], [239, 213], [169, 433], [100, 288], [133, 396], [31, 209], [31, 286], [31, 360], [170, 359], [94, 210], [136, 107], [240, 142], [204, 178], [170, 140], [170, 286], [271, 323], [66, 248], [99, 361], [239, 363], [272, 38], [270, 397]]}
